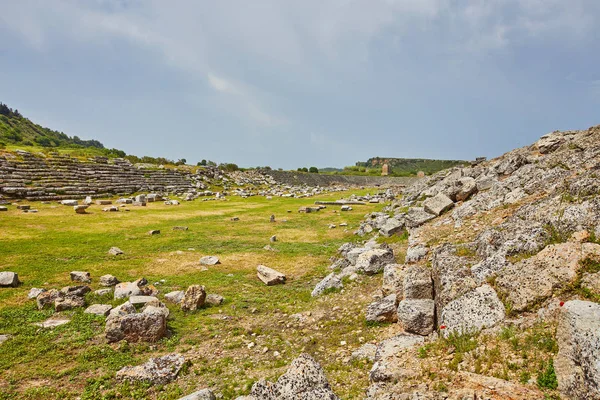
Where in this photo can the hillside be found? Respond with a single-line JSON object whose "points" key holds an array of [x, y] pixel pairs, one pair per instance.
{"points": [[409, 166]]}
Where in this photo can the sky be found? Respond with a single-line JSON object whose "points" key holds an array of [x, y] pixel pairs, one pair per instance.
{"points": [[290, 83]]}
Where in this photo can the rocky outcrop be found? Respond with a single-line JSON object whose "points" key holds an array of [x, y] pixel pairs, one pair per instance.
{"points": [[157, 371]]}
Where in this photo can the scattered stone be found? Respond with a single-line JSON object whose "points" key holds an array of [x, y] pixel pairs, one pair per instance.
{"points": [[214, 299], [416, 253], [108, 280], [365, 352], [53, 322], [269, 248], [383, 310], [47, 298], [417, 316], [373, 261], [175, 296], [35, 292], [209, 260], [9, 279], [438, 204], [115, 251], [393, 280], [417, 282], [69, 202], [68, 303], [99, 309], [330, 282], [180, 228], [141, 299], [193, 298], [154, 232], [272, 218], [346, 208], [157, 371], [81, 209], [578, 338], [417, 216], [3, 208], [103, 292], [304, 380], [103, 202], [391, 227], [269, 276], [134, 327], [4, 338], [80, 276], [235, 219], [127, 289], [23, 207]]}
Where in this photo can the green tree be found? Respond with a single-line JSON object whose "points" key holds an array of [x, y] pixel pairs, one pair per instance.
{"points": [[313, 170]]}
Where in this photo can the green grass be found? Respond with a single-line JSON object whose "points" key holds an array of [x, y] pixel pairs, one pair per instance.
{"points": [[75, 360]]}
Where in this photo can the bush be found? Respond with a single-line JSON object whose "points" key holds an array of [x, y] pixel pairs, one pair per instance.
{"points": [[313, 170], [547, 378]]}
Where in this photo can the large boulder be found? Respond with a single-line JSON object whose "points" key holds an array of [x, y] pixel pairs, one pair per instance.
{"points": [[193, 298], [304, 380], [393, 280], [391, 226], [383, 310], [124, 290], [157, 371], [373, 261], [269, 276], [535, 279], [138, 327], [417, 316], [438, 204], [417, 282], [576, 364], [9, 279], [417, 216], [386, 368], [478, 309]]}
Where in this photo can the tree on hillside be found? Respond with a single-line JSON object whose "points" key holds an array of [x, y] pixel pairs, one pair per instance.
{"points": [[313, 170]]}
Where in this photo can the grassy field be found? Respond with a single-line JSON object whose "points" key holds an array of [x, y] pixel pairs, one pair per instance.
{"points": [[74, 360]]}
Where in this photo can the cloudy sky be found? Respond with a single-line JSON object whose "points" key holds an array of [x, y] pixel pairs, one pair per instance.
{"points": [[293, 83]]}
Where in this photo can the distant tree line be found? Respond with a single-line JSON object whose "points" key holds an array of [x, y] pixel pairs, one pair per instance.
{"points": [[312, 170]]}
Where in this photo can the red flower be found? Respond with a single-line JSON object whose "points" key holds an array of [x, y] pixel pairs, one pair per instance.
{"points": [[562, 303], [443, 327]]}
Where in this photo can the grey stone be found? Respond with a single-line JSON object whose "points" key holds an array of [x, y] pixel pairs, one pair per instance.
{"points": [[80, 276], [4, 338], [9, 279], [416, 253], [304, 380], [68, 303], [127, 289], [373, 261], [383, 310], [141, 299], [393, 280], [81, 209], [35, 292], [209, 260], [75, 291], [365, 352], [103, 292], [156, 307], [578, 337], [385, 368], [53, 322], [154, 232], [464, 188], [417, 315], [438, 204], [146, 327], [417, 216], [99, 309], [204, 394], [478, 309], [417, 282], [194, 298], [69, 202], [47, 298], [269, 276], [180, 228], [108, 280], [214, 299], [115, 251], [175, 296], [391, 227], [330, 282], [124, 309], [157, 371]]}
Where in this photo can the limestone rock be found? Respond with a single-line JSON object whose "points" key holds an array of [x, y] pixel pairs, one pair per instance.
{"points": [[416, 253], [102, 292], [127, 289], [194, 298], [99, 309], [393, 280], [53, 322], [391, 226], [35, 292], [204, 394], [68, 303], [304, 380], [156, 307], [108, 280], [157, 371], [209, 260], [417, 282], [81, 209], [417, 315], [464, 188], [534, 279], [214, 299], [330, 282], [141, 299], [383, 310], [175, 296], [365, 352], [124, 309], [438, 204], [80, 276], [417, 216], [385, 369], [115, 251], [269, 276], [147, 327], [9, 279], [576, 364], [480, 308], [47, 298], [373, 261], [69, 202]]}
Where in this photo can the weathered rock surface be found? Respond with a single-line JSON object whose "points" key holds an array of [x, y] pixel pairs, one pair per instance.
{"points": [[99, 309], [124, 290], [269, 276], [576, 364], [138, 327], [393, 280], [417, 315], [204, 394], [193, 298], [417, 216], [175, 296], [157, 371], [209, 260], [108, 280], [438, 204], [417, 282], [115, 251], [365, 352], [9, 279], [477, 309], [35, 292], [373, 261], [330, 282], [383, 310], [304, 380], [214, 299]]}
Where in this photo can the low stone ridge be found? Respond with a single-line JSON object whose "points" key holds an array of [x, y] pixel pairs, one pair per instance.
{"points": [[304, 380], [157, 371]]}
